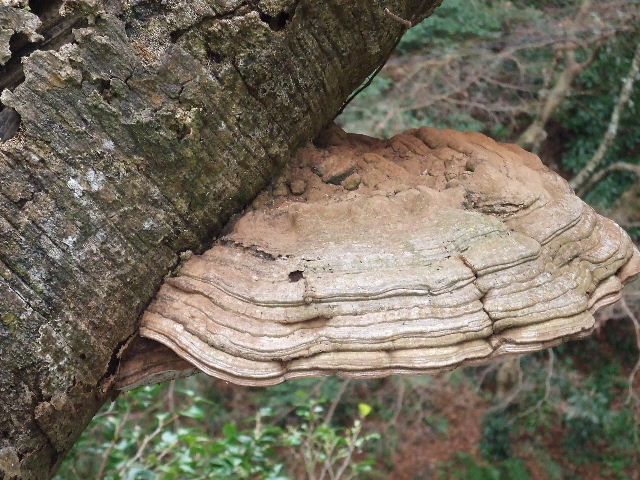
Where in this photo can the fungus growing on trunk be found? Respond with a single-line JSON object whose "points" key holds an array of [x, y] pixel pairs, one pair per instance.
{"points": [[427, 251]]}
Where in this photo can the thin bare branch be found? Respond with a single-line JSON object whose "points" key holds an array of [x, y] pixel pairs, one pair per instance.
{"points": [[592, 165], [336, 401], [398, 18], [399, 401], [535, 133], [547, 386], [615, 167], [116, 438], [512, 395], [145, 443]]}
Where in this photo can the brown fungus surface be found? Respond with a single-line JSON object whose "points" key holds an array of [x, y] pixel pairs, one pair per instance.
{"points": [[427, 251]]}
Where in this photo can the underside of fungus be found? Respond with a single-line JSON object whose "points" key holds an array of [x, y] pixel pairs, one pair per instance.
{"points": [[368, 257]]}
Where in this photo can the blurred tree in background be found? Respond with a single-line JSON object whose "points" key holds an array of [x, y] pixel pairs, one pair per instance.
{"points": [[556, 76]]}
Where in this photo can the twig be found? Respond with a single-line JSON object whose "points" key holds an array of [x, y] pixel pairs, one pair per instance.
{"points": [[547, 386], [618, 166], [257, 431], [328, 463], [109, 411], [491, 368], [511, 86], [361, 88], [382, 63], [171, 400], [145, 443], [75, 472], [581, 178], [165, 452], [512, 395], [535, 134], [316, 388], [628, 226], [470, 74], [108, 450], [524, 107], [308, 463], [336, 401], [399, 400], [398, 18], [352, 445], [505, 54], [636, 327]]}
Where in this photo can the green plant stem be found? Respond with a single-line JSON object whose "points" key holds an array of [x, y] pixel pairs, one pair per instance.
{"points": [[145, 443], [107, 452], [351, 447]]}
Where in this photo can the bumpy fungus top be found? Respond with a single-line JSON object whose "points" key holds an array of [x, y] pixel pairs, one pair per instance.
{"points": [[370, 257]]}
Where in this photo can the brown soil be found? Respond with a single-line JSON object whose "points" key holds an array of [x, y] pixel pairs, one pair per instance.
{"points": [[421, 448]]}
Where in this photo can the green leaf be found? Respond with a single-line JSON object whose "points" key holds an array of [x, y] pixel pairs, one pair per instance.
{"points": [[194, 411], [364, 409], [230, 430]]}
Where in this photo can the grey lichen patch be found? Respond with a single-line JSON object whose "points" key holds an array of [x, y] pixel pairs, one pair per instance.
{"points": [[54, 348]]}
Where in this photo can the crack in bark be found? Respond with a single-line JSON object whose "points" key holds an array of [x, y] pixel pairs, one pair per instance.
{"points": [[111, 372], [238, 11], [275, 23]]}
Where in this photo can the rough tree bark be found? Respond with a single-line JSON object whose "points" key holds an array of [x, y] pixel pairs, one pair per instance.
{"points": [[143, 126]]}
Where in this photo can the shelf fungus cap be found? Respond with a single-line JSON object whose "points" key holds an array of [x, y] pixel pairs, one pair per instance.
{"points": [[420, 253]]}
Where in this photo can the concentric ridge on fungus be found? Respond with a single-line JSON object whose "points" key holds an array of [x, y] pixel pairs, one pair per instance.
{"points": [[370, 257]]}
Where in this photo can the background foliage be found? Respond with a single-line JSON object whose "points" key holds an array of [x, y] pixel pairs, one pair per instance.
{"points": [[485, 65]]}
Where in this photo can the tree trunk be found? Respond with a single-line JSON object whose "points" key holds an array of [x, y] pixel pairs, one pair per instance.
{"points": [[140, 133]]}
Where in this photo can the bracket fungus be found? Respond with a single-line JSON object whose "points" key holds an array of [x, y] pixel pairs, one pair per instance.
{"points": [[368, 257]]}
